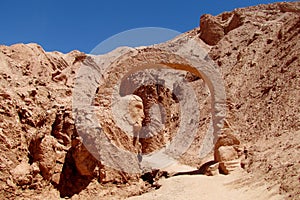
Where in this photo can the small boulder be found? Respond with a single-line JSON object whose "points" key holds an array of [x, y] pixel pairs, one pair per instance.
{"points": [[225, 153], [212, 170]]}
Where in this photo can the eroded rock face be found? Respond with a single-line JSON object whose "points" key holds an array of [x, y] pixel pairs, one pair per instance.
{"points": [[257, 51], [85, 163], [214, 28], [35, 125], [160, 106], [260, 65]]}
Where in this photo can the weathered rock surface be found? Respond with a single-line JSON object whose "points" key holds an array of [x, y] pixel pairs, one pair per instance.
{"points": [[260, 64], [228, 152], [211, 30], [257, 51]]}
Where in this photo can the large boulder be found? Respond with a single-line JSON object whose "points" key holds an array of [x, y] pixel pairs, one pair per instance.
{"points": [[211, 30]]}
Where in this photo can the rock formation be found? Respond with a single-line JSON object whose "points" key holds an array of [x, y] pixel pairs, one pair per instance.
{"points": [[228, 153], [256, 49]]}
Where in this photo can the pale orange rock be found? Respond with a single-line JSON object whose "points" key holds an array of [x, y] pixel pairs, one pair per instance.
{"points": [[256, 50]]}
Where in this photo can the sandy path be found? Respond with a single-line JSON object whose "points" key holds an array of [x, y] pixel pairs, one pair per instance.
{"points": [[189, 187]]}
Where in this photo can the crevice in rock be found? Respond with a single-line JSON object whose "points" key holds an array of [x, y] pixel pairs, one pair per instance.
{"points": [[71, 182]]}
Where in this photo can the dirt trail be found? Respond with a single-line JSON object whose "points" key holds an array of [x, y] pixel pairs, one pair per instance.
{"points": [[223, 187]]}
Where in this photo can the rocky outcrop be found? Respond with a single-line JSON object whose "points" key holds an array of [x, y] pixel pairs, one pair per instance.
{"points": [[258, 56], [257, 51], [211, 30], [36, 127], [214, 28], [259, 61]]}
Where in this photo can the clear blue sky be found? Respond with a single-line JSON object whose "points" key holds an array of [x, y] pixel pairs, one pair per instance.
{"points": [[65, 25]]}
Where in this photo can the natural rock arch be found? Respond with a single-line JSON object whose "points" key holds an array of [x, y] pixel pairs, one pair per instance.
{"points": [[155, 58], [133, 61]]}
